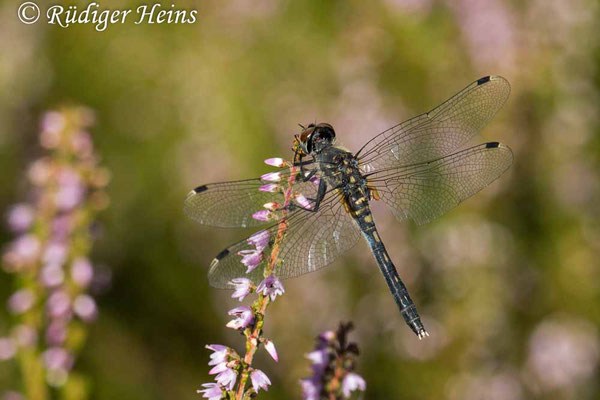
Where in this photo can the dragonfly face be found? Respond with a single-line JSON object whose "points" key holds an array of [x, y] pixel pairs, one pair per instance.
{"points": [[415, 167], [314, 138]]}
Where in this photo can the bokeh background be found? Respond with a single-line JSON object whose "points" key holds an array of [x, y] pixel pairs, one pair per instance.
{"points": [[508, 283]]}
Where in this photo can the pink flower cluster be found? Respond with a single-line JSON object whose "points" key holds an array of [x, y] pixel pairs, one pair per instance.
{"points": [[226, 363], [272, 184], [333, 362], [50, 252]]}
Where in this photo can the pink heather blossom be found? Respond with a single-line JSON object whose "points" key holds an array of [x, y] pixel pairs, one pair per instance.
{"points": [[39, 172], [20, 217], [227, 378], [56, 333], [319, 359], [7, 348], [270, 347], [242, 288], [269, 187], [52, 275], [82, 272], [70, 189], [211, 391], [303, 202], [263, 215], [351, 383], [327, 336], [259, 380], [26, 247], [271, 177], [58, 304], [53, 121], [55, 253], [217, 369], [275, 162], [82, 144], [21, 301], [85, 307], [271, 286], [57, 358], [53, 124], [311, 389], [219, 354], [260, 240], [62, 226], [243, 317], [250, 258]]}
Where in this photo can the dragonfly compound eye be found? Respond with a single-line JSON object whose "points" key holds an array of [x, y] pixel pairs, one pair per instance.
{"points": [[326, 132], [307, 133], [318, 137]]}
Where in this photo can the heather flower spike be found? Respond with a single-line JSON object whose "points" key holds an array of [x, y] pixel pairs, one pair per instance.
{"points": [[51, 306], [333, 362], [232, 372]]}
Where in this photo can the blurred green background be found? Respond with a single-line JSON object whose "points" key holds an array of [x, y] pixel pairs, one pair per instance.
{"points": [[508, 283]]}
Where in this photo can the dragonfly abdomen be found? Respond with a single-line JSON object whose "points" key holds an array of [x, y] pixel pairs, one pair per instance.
{"points": [[388, 269]]}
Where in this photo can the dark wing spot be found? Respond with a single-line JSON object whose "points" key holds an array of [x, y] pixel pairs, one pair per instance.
{"points": [[492, 145], [200, 189], [483, 80], [222, 255]]}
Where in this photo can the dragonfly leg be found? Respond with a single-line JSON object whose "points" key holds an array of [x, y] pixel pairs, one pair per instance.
{"points": [[316, 201]]}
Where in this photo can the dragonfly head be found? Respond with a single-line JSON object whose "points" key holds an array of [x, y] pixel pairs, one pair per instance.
{"points": [[315, 138]]}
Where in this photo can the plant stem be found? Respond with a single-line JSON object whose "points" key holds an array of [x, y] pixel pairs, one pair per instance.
{"points": [[253, 336], [33, 374], [252, 344]]}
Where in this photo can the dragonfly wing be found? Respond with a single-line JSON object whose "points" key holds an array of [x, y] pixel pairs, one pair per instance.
{"points": [[440, 131], [232, 204], [313, 240], [425, 191]]}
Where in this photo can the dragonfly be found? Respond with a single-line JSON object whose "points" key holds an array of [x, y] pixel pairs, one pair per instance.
{"points": [[417, 168]]}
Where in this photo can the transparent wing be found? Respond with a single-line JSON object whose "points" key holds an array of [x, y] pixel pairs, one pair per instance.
{"points": [[231, 204], [313, 240], [439, 131], [425, 191]]}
